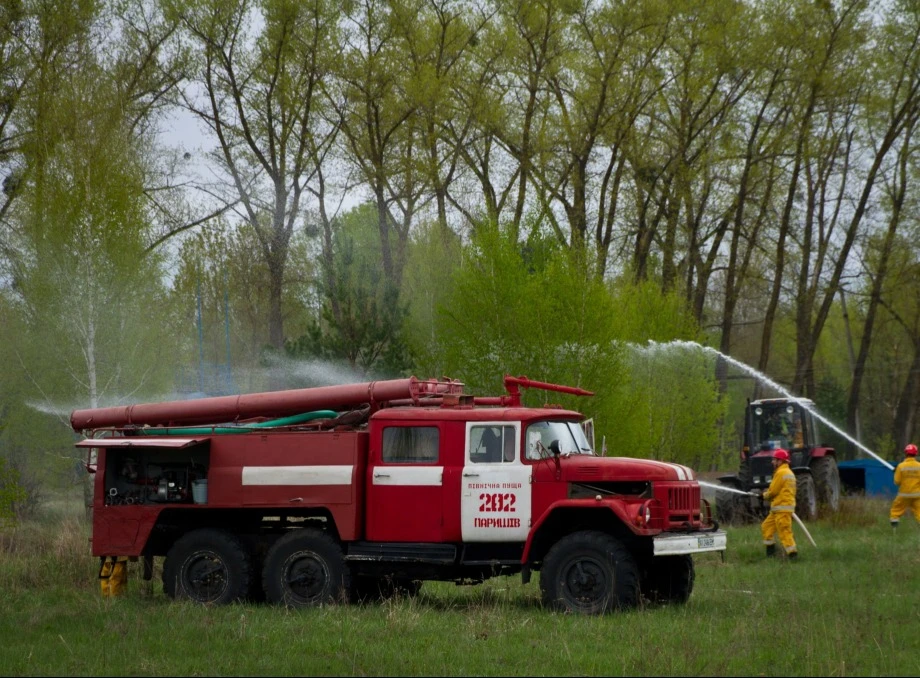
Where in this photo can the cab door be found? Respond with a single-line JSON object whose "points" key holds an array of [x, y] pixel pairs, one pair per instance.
{"points": [[495, 491], [405, 484]]}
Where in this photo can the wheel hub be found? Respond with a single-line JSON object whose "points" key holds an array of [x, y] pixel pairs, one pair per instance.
{"points": [[205, 577], [306, 576], [585, 582]]}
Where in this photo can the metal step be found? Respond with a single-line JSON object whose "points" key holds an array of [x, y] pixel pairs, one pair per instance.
{"points": [[441, 554]]}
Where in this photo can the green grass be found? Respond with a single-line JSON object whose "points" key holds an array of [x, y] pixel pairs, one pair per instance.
{"points": [[848, 607]]}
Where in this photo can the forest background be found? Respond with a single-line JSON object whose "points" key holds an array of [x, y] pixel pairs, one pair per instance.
{"points": [[571, 190]]}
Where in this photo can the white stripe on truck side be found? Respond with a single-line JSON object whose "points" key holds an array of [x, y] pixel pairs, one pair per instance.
{"points": [[297, 475]]}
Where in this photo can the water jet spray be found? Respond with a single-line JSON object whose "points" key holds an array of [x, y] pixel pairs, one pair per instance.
{"points": [[654, 347], [722, 488]]}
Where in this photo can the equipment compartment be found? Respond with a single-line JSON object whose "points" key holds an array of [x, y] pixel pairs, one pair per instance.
{"points": [[153, 475]]}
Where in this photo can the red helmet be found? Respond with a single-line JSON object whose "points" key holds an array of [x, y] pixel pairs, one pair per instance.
{"points": [[781, 454], [911, 450]]}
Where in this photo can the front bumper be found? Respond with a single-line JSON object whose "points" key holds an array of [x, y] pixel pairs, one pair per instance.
{"points": [[681, 544]]}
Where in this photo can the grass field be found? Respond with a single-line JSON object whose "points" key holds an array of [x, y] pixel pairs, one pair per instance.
{"points": [[849, 607]]}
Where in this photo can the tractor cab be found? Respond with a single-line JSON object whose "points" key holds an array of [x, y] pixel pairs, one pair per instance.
{"points": [[773, 424]]}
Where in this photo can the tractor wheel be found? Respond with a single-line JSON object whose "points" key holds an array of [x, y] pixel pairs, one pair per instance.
{"points": [[589, 573], [373, 589], [806, 498], [305, 568], [669, 579], [208, 566], [827, 483], [725, 507], [745, 477], [733, 509]]}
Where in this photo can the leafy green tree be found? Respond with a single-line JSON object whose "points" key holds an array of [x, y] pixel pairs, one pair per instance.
{"points": [[95, 315], [16, 72], [668, 405], [220, 271], [669, 408], [433, 261], [534, 309], [892, 375], [361, 318], [514, 309], [86, 271], [900, 35]]}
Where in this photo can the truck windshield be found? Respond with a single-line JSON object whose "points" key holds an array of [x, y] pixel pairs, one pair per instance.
{"points": [[776, 426], [568, 435]]}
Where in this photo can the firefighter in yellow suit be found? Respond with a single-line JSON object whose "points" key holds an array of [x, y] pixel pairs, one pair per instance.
{"points": [[907, 478], [781, 494]]}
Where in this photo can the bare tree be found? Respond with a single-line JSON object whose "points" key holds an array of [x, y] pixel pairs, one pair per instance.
{"points": [[261, 97]]}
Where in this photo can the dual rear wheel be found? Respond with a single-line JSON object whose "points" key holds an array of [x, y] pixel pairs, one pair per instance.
{"points": [[303, 568]]}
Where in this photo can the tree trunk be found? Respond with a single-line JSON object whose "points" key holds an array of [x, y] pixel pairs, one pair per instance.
{"points": [[906, 411]]}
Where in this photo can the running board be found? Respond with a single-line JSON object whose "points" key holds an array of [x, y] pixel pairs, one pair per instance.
{"points": [[439, 554]]}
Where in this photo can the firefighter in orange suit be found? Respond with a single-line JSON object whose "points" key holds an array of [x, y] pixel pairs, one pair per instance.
{"points": [[781, 494], [907, 478]]}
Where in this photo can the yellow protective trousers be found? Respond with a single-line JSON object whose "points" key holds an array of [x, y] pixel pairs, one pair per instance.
{"points": [[781, 522], [900, 505], [113, 575]]}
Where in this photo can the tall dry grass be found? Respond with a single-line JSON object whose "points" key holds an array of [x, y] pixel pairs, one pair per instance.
{"points": [[51, 550], [858, 511]]}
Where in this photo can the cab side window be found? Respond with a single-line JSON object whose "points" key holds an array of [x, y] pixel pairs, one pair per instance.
{"points": [[410, 444], [492, 444]]}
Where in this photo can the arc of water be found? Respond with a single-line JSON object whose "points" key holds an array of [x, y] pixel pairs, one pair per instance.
{"points": [[722, 488], [760, 376]]}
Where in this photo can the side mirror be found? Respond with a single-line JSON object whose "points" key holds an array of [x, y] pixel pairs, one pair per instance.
{"points": [[554, 448]]}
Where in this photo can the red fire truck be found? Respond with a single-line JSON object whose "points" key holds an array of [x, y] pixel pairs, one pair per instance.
{"points": [[349, 492]]}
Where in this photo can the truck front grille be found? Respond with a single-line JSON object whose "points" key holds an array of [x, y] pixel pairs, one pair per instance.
{"points": [[683, 507]]}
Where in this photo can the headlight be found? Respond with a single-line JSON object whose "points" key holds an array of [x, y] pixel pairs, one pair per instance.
{"points": [[644, 516]]}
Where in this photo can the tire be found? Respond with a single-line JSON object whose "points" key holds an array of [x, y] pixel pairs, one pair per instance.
{"points": [[305, 568], [374, 589], [733, 509], [745, 477], [670, 579], [827, 483], [725, 507], [208, 566], [589, 573], [806, 498]]}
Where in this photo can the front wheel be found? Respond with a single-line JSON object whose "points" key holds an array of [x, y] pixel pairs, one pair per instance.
{"points": [[305, 568], [589, 573]]}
